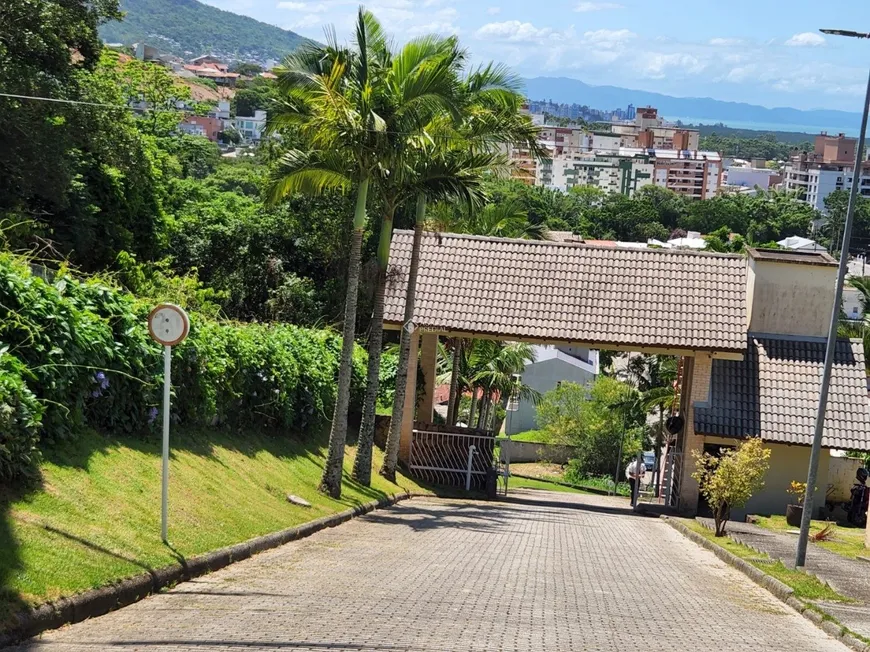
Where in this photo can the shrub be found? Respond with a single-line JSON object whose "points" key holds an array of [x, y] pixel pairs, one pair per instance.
{"points": [[20, 414], [79, 355], [730, 480]]}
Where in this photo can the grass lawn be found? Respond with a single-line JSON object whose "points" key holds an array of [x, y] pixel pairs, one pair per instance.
{"points": [[528, 483], [541, 470], [95, 517], [847, 541], [536, 436], [805, 586]]}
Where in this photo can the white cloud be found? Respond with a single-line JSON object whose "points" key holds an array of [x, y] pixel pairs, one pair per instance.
{"points": [[724, 42], [492, 11], [513, 31], [442, 28], [306, 21], [806, 39], [583, 7], [307, 7], [608, 38], [657, 65]]}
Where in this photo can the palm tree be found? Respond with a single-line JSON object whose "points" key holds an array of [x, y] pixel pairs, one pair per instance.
{"points": [[504, 220], [499, 365], [487, 369], [489, 118], [329, 94], [654, 377], [419, 86], [858, 328], [441, 173]]}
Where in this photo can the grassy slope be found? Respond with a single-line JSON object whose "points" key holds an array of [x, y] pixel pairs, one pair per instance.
{"points": [[96, 517], [805, 586], [847, 541], [544, 485], [534, 436]]}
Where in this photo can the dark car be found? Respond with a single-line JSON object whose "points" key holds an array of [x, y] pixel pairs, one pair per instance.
{"points": [[649, 461]]}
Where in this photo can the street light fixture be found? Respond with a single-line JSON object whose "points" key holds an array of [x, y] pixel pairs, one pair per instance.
{"points": [[845, 32], [801, 554]]}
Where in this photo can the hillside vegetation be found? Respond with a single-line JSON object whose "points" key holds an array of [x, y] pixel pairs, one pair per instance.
{"points": [[188, 28]]}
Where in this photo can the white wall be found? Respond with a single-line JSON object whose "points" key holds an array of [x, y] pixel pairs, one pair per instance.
{"points": [[749, 177], [841, 476], [543, 376], [852, 303], [789, 298]]}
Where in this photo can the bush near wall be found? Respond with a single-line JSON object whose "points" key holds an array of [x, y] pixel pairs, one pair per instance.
{"points": [[76, 354]]}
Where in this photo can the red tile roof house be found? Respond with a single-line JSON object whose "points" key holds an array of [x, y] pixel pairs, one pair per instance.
{"points": [[750, 332]]}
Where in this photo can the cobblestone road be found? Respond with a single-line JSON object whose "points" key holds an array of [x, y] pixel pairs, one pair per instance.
{"points": [[545, 572]]}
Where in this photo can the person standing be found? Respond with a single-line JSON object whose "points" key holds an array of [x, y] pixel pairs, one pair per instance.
{"points": [[635, 472]]}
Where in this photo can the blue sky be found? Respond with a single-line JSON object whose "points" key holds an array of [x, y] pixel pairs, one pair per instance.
{"points": [[764, 52]]}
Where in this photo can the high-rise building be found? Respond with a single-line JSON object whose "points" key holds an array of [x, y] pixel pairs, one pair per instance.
{"points": [[829, 167]]}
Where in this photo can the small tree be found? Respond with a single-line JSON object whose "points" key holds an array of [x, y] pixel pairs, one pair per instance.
{"points": [[730, 480]]}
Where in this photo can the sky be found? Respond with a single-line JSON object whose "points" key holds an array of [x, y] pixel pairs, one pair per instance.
{"points": [[765, 52]]}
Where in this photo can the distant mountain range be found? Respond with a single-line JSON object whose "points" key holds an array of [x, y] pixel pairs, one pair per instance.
{"points": [[188, 28], [573, 91]]}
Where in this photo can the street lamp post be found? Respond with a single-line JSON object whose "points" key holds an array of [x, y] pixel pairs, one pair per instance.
{"points": [[806, 518]]}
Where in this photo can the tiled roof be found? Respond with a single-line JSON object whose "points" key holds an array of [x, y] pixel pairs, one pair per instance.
{"points": [[553, 292], [773, 392]]}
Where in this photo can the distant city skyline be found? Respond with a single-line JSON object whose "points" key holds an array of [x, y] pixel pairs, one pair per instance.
{"points": [[755, 51]]}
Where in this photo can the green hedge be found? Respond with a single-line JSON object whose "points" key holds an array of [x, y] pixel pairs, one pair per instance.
{"points": [[77, 354], [20, 414]]}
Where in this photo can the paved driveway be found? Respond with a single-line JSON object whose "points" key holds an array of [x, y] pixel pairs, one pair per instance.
{"points": [[545, 572]]}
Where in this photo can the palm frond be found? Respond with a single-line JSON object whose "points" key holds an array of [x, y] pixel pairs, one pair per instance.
{"points": [[312, 172]]}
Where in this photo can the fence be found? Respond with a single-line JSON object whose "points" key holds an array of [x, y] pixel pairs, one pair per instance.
{"points": [[451, 459]]}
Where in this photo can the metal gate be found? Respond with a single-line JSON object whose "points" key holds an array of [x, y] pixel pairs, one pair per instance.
{"points": [[451, 459]]}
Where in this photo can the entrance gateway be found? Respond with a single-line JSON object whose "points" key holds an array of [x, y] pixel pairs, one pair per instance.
{"points": [[681, 303], [749, 332]]}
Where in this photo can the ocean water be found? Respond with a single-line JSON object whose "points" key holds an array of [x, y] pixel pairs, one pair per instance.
{"points": [[849, 130]]}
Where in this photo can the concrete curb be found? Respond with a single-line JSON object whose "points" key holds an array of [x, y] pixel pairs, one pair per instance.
{"points": [[98, 602], [777, 588]]}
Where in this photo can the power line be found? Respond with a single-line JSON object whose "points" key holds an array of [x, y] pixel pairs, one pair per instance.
{"points": [[443, 137]]}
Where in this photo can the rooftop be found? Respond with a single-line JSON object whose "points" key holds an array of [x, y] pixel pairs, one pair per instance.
{"points": [[819, 258], [773, 392], [542, 291]]}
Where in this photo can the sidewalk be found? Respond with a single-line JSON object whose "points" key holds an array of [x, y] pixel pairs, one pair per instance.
{"points": [[846, 576]]}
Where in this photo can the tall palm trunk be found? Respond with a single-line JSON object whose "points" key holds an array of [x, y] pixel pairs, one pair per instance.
{"points": [[452, 403], [362, 465], [473, 408], [391, 459], [481, 410], [331, 481]]}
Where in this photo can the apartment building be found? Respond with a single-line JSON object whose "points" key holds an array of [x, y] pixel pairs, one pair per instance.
{"points": [[829, 167], [629, 156], [696, 175], [648, 130]]}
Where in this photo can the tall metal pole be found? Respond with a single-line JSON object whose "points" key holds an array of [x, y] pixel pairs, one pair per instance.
{"points": [[167, 383], [801, 555]]}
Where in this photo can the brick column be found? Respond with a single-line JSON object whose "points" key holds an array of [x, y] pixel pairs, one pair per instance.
{"points": [[428, 363], [410, 400], [699, 395]]}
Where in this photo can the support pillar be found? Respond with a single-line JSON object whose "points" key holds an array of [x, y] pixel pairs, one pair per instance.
{"points": [[428, 363], [410, 399], [698, 396]]}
